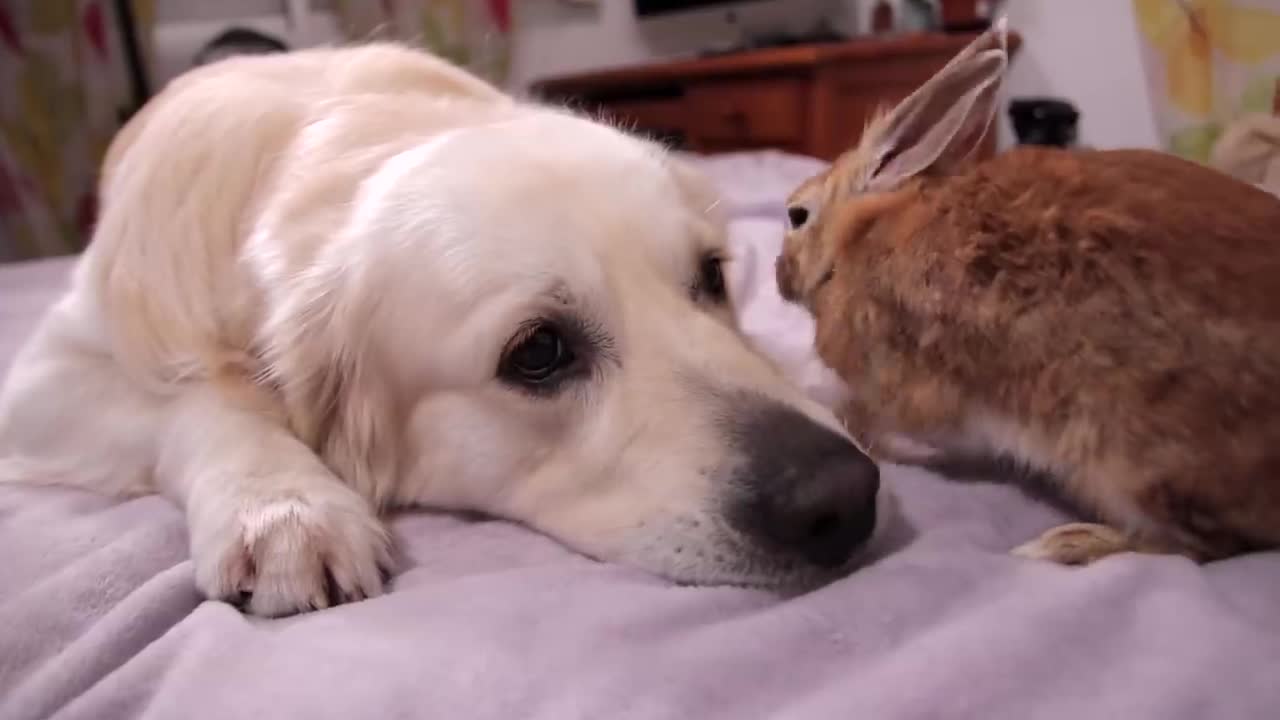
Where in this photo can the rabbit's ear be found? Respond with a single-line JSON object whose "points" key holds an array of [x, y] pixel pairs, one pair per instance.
{"points": [[942, 123]]}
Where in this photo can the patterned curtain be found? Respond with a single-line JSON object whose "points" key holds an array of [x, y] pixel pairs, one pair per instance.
{"points": [[66, 85], [1210, 64], [475, 34]]}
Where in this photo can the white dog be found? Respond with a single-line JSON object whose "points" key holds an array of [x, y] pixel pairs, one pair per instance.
{"points": [[334, 282]]}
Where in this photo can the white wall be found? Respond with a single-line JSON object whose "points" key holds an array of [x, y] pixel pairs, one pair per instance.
{"points": [[1087, 52], [1083, 50], [184, 26]]}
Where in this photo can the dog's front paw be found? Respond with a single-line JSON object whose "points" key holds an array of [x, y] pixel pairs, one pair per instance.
{"points": [[291, 554]]}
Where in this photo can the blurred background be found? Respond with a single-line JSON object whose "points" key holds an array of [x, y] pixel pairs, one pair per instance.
{"points": [[713, 76]]}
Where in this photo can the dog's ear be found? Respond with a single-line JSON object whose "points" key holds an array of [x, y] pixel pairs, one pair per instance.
{"points": [[941, 124], [317, 359]]}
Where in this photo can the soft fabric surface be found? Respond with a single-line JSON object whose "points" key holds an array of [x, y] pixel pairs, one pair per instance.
{"points": [[99, 618]]}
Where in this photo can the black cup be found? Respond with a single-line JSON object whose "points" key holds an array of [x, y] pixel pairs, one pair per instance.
{"points": [[1044, 121]]}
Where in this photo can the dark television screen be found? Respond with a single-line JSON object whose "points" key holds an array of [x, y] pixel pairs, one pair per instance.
{"points": [[656, 7]]}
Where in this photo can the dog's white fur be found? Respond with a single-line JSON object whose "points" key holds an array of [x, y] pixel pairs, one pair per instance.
{"points": [[306, 271]]}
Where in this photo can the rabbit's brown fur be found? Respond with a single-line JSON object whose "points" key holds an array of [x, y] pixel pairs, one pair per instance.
{"points": [[1109, 318]]}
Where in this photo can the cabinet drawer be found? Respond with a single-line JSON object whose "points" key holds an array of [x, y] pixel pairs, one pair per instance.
{"points": [[759, 110], [661, 115], [659, 119]]}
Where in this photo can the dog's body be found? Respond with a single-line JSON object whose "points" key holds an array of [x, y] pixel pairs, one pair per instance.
{"points": [[337, 281]]}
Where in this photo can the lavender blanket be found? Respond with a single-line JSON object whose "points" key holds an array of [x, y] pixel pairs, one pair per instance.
{"points": [[99, 618]]}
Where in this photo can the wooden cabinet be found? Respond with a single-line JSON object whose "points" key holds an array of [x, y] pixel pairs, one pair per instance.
{"points": [[742, 112], [813, 100]]}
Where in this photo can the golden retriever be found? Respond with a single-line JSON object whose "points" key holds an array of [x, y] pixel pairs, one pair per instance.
{"points": [[330, 283]]}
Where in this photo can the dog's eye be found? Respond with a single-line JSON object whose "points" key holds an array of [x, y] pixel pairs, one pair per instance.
{"points": [[538, 357], [711, 279], [797, 216]]}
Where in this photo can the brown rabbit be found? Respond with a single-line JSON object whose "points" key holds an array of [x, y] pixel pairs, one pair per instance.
{"points": [[1111, 319]]}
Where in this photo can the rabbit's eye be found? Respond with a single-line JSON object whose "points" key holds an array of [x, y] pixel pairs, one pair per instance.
{"points": [[797, 216]]}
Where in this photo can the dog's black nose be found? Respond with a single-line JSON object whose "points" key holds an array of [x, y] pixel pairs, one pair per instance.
{"points": [[826, 517], [804, 490]]}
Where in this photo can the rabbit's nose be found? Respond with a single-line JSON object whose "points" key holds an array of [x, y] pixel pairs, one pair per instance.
{"points": [[785, 271]]}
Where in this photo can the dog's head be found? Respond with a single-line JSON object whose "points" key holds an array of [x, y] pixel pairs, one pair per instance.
{"points": [[529, 319]]}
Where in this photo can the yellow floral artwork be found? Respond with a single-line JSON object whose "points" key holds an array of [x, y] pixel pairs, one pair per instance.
{"points": [[1210, 61]]}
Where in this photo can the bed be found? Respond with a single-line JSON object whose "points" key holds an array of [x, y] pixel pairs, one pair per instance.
{"points": [[99, 617]]}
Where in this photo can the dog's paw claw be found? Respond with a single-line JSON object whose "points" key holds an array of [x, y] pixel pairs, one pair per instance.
{"points": [[291, 555]]}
